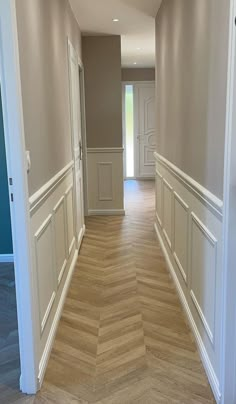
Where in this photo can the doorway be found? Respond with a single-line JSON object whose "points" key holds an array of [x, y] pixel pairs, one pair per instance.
{"points": [[139, 130], [78, 139]]}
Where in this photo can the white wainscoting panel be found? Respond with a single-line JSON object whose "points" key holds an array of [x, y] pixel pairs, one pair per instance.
{"points": [[159, 197], [70, 219], [44, 264], [54, 255], [189, 227], [61, 243], [203, 272], [167, 211], [105, 188], [105, 181], [180, 223]]}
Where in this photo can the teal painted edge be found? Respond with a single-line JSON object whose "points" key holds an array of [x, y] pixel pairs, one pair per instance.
{"points": [[5, 220]]}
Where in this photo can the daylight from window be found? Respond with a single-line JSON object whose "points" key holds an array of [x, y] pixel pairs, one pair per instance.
{"points": [[129, 119]]}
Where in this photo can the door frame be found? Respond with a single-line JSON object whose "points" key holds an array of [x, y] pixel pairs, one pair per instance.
{"points": [[228, 352], [17, 175], [136, 143], [83, 123], [84, 134]]}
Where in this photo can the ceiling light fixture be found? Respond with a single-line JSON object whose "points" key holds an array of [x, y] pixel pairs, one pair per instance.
{"points": [[139, 48], [115, 19], [135, 63]]}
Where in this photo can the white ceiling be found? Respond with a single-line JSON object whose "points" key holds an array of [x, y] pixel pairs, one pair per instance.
{"points": [[136, 26]]}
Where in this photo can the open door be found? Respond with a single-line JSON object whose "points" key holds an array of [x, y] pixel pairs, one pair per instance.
{"points": [[77, 146], [19, 196], [144, 117], [139, 129]]}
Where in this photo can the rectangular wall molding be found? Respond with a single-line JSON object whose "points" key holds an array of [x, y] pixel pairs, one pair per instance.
{"points": [[159, 197], [203, 270], [70, 218], [52, 222], [43, 193], [189, 227], [105, 186], [210, 371], [61, 238], [105, 181], [206, 197], [167, 212], [181, 221], [44, 252]]}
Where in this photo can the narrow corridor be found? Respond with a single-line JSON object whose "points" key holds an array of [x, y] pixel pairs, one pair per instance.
{"points": [[123, 337]]}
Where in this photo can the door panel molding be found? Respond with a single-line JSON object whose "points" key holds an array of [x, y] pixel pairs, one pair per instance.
{"points": [[144, 128]]}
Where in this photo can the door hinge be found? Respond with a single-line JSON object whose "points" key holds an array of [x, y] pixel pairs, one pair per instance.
{"points": [[12, 198], [10, 181]]}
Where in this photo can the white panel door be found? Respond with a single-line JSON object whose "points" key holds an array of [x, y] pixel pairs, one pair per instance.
{"points": [[76, 123], [145, 129]]}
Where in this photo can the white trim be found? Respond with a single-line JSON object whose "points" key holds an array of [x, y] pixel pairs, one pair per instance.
{"points": [[48, 222], [48, 347], [13, 119], [139, 178], [84, 136], [81, 236], [101, 180], [105, 150], [184, 205], [61, 202], [166, 184], [202, 350], [106, 212], [206, 196], [127, 83], [38, 197], [6, 258], [145, 178], [228, 351]]}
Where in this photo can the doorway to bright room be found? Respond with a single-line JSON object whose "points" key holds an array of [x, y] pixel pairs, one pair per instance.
{"points": [[139, 130], [129, 131]]}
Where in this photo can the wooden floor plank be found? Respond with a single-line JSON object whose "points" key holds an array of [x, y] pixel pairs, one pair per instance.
{"points": [[123, 337]]}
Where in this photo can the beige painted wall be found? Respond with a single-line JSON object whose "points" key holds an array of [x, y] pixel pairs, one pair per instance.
{"points": [[43, 28], [102, 64], [138, 74], [192, 44]]}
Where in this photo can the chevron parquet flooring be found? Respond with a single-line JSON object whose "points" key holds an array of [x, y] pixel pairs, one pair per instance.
{"points": [[123, 337]]}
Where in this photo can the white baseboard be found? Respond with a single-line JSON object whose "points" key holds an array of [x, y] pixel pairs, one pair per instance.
{"points": [[146, 178], [202, 350], [80, 237], [48, 347], [6, 258], [106, 212]]}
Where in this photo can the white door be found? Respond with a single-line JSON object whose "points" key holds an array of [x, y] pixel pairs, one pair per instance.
{"points": [[76, 126], [145, 133]]}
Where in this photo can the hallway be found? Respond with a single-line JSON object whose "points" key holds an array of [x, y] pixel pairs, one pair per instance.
{"points": [[123, 336]]}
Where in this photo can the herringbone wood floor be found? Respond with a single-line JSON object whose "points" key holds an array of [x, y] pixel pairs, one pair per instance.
{"points": [[123, 337]]}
